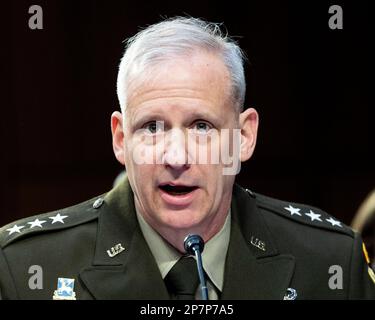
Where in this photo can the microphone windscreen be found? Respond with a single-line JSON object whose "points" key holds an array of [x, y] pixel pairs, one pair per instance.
{"points": [[193, 242]]}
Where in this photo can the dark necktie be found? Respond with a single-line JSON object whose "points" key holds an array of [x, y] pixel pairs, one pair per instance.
{"points": [[182, 280]]}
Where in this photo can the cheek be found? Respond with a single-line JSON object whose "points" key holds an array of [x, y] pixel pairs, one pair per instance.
{"points": [[140, 173], [127, 153], [219, 184], [142, 182], [213, 180], [143, 174]]}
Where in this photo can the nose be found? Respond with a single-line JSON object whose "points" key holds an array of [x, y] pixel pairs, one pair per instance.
{"points": [[175, 154]]}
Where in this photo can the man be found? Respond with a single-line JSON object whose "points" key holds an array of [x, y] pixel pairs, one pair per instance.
{"points": [[181, 135]]}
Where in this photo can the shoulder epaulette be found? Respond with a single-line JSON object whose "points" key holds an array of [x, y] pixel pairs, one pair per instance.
{"points": [[56, 220], [304, 214]]}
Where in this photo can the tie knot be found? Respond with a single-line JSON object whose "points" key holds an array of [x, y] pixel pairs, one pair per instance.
{"points": [[182, 280]]}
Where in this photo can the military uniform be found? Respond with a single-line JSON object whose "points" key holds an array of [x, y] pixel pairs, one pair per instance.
{"points": [[277, 250]]}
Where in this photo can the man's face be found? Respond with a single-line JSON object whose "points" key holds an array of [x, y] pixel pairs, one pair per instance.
{"points": [[172, 118]]}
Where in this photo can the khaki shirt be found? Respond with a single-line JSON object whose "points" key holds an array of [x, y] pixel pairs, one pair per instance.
{"points": [[213, 256]]}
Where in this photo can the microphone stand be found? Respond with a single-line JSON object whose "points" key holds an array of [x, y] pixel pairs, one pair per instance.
{"points": [[194, 245], [202, 279]]}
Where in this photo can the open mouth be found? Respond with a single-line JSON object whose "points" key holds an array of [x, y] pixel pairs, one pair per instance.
{"points": [[177, 190]]}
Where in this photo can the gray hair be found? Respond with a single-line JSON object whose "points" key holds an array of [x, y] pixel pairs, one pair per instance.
{"points": [[180, 36]]}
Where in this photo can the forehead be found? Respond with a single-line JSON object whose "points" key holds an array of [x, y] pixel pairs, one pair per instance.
{"points": [[200, 78]]}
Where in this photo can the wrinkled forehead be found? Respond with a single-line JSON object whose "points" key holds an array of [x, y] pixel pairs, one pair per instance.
{"points": [[201, 76]]}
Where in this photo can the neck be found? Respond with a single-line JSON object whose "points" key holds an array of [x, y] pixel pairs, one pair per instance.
{"points": [[207, 229]]}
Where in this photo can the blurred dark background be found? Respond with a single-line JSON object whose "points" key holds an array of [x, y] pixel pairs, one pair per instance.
{"points": [[312, 86]]}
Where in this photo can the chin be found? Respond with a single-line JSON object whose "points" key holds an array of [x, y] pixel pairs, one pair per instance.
{"points": [[181, 220]]}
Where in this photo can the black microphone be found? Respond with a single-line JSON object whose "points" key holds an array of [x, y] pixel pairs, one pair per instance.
{"points": [[194, 245]]}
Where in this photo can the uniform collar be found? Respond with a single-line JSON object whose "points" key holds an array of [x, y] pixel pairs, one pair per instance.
{"points": [[250, 272], [254, 268], [131, 274], [213, 256]]}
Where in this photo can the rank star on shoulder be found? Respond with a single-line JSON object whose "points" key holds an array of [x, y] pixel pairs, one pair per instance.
{"points": [[293, 210], [36, 223], [334, 222], [58, 218], [15, 229], [313, 216]]}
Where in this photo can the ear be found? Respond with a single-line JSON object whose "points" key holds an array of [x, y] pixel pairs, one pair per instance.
{"points": [[117, 129], [249, 128]]}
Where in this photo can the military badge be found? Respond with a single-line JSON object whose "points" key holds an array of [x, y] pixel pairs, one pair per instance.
{"points": [[64, 290], [118, 248], [261, 245]]}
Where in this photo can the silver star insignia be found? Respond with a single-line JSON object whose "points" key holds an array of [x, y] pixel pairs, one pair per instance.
{"points": [[36, 223], [334, 222], [313, 216], [58, 218], [15, 229], [293, 210]]}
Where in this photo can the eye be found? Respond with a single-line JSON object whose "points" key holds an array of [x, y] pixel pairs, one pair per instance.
{"points": [[153, 127], [202, 127]]}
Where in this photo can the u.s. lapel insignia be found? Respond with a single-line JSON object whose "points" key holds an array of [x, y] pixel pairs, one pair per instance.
{"points": [[64, 290], [258, 243], [114, 251], [291, 294]]}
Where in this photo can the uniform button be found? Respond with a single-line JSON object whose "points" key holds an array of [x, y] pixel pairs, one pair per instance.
{"points": [[98, 203]]}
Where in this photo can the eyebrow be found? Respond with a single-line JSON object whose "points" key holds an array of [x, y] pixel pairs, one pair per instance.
{"points": [[159, 116]]}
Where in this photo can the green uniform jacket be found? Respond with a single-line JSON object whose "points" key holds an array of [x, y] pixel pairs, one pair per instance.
{"points": [[277, 250]]}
